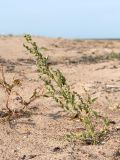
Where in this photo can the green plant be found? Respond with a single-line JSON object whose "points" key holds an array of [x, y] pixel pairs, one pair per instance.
{"points": [[58, 88], [96, 58], [9, 89]]}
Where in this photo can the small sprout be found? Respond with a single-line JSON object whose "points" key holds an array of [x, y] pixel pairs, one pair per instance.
{"points": [[9, 89]]}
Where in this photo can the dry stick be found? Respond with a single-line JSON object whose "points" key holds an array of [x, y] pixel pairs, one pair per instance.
{"points": [[23, 102], [31, 99], [3, 76], [8, 91], [7, 103]]}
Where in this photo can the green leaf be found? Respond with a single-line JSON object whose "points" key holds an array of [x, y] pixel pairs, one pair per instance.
{"points": [[94, 99]]}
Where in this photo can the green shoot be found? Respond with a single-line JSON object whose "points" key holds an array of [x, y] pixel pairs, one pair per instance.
{"points": [[58, 88]]}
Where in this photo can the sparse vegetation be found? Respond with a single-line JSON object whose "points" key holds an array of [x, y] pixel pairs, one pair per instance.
{"points": [[34, 124], [99, 58], [76, 105], [9, 113]]}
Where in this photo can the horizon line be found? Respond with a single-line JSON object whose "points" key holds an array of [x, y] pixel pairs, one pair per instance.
{"points": [[58, 37]]}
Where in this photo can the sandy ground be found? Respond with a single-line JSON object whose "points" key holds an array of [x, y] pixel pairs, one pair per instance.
{"points": [[41, 136]]}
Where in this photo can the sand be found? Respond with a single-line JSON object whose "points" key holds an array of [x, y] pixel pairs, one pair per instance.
{"points": [[41, 135]]}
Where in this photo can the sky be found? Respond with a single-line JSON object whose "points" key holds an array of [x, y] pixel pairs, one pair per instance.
{"points": [[61, 18]]}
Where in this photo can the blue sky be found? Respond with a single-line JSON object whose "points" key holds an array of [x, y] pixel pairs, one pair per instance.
{"points": [[61, 18]]}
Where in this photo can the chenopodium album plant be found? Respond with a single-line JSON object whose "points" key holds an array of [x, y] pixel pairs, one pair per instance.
{"points": [[70, 101]]}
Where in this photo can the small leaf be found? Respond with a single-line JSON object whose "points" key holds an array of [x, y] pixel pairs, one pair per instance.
{"points": [[16, 82]]}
